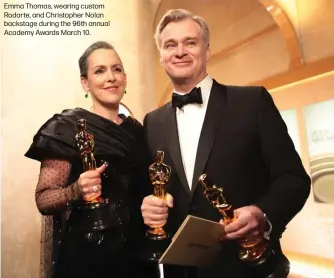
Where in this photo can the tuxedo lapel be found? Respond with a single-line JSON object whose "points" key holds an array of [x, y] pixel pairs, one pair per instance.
{"points": [[211, 124], [173, 145]]}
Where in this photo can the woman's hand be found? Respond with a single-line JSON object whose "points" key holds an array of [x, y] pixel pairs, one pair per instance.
{"points": [[89, 183]]}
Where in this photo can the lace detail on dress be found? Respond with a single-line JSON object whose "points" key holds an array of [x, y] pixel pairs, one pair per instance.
{"points": [[53, 192]]}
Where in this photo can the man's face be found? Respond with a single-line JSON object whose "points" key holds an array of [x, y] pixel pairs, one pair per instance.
{"points": [[183, 52]]}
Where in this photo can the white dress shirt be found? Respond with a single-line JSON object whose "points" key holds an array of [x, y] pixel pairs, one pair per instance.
{"points": [[190, 120]]}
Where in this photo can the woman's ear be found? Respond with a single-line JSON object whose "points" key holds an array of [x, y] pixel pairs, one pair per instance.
{"points": [[125, 80], [84, 84]]}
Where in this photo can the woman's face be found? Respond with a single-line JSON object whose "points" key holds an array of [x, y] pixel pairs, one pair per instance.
{"points": [[106, 80]]}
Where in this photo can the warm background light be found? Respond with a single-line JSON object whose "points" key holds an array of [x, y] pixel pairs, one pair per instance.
{"points": [[40, 77]]}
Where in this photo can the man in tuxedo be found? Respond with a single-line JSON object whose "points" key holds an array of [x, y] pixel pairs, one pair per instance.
{"points": [[237, 137]]}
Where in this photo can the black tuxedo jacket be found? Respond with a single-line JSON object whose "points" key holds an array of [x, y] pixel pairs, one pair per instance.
{"points": [[244, 146]]}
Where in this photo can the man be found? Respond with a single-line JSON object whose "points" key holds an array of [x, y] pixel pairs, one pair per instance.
{"points": [[233, 134]]}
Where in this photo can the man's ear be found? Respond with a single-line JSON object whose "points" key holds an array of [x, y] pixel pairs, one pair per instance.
{"points": [[208, 53], [161, 59]]}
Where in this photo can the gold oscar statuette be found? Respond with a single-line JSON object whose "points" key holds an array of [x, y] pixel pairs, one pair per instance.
{"points": [[159, 175], [94, 214], [156, 239], [86, 145], [254, 250]]}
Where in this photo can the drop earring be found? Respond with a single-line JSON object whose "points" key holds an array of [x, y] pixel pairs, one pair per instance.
{"points": [[124, 92], [86, 95]]}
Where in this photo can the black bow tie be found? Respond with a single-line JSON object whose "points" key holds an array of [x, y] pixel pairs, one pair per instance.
{"points": [[194, 96]]}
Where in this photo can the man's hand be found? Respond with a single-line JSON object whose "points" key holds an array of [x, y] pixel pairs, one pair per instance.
{"points": [[249, 224], [155, 210]]}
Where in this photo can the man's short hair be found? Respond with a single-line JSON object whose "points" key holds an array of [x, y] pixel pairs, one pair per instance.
{"points": [[179, 15]]}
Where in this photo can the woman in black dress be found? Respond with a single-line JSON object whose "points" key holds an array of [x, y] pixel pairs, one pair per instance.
{"points": [[72, 248]]}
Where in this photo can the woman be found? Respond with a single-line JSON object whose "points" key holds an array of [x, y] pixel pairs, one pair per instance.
{"points": [[121, 177]]}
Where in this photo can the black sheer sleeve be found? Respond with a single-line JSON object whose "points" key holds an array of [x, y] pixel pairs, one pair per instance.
{"points": [[53, 191]]}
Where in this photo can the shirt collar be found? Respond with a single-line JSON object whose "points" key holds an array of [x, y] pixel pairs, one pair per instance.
{"points": [[206, 85]]}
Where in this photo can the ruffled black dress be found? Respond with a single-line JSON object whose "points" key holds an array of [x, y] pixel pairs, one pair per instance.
{"points": [[113, 252]]}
